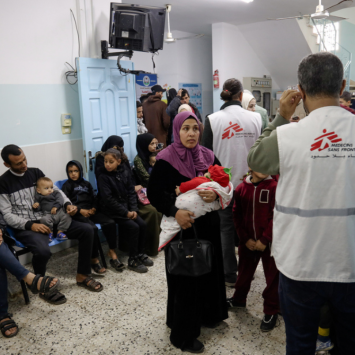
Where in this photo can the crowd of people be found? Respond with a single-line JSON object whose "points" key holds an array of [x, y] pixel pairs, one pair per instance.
{"points": [[237, 180]]}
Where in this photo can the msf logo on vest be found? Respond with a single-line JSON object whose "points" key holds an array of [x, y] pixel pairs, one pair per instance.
{"points": [[230, 131], [324, 141]]}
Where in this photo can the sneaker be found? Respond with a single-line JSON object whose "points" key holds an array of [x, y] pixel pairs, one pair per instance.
{"points": [[231, 303], [136, 265], [269, 322], [195, 348], [145, 260], [50, 236], [324, 346]]}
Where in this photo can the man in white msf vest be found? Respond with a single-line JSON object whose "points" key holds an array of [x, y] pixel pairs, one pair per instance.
{"points": [[314, 219], [230, 133]]}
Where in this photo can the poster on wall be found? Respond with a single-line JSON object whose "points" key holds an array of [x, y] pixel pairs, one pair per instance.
{"points": [[195, 91], [144, 83]]}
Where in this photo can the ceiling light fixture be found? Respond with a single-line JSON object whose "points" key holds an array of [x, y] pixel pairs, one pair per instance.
{"points": [[248, 1]]}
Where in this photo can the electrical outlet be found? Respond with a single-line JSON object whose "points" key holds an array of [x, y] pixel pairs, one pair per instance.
{"points": [[66, 130], [66, 120]]}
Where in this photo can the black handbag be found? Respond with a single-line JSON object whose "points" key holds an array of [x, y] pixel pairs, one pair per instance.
{"points": [[189, 257]]}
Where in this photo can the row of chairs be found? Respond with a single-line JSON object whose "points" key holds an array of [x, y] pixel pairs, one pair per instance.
{"points": [[23, 250]]}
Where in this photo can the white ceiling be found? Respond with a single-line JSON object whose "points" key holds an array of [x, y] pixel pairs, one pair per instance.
{"points": [[196, 16]]}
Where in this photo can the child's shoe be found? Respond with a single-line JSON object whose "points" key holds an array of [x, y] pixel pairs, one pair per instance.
{"points": [[145, 260], [324, 345], [269, 322], [50, 236], [231, 303], [136, 265], [61, 236]]}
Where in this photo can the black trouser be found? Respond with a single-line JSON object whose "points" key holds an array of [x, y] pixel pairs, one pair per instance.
{"points": [[326, 317], [135, 231], [37, 243], [108, 227]]}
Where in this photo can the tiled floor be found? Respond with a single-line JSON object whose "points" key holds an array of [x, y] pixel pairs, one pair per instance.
{"points": [[127, 317]]}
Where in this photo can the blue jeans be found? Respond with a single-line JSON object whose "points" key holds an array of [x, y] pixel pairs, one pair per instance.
{"points": [[301, 302], [10, 263]]}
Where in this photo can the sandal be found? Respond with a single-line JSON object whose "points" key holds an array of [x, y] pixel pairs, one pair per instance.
{"points": [[7, 325], [55, 298], [97, 267], [116, 264], [61, 236], [89, 283], [45, 285]]}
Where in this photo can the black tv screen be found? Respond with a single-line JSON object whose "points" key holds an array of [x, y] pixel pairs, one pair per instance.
{"points": [[136, 27]]}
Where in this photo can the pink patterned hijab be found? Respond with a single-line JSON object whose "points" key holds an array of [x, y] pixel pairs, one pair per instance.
{"points": [[188, 162]]}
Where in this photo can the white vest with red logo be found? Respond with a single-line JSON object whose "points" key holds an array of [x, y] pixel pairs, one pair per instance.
{"points": [[235, 130], [314, 218]]}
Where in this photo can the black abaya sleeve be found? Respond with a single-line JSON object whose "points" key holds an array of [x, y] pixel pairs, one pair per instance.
{"points": [[159, 189]]}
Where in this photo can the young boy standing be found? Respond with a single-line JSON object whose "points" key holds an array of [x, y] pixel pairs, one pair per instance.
{"points": [[81, 194], [254, 201]]}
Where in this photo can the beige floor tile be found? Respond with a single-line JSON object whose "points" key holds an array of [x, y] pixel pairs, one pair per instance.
{"points": [[128, 317]]}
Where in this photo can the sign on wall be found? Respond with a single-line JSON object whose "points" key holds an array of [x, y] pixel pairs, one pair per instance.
{"points": [[195, 91], [144, 83]]}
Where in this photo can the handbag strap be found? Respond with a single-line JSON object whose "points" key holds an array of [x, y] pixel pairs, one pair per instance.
{"points": [[195, 233]]}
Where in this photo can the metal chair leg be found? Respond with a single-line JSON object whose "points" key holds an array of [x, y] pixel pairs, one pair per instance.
{"points": [[24, 291], [102, 255]]}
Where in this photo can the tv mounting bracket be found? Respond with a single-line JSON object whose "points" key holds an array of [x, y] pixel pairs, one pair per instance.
{"points": [[106, 54]]}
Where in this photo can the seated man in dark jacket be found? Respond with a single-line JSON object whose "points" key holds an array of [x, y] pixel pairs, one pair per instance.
{"points": [[81, 194]]}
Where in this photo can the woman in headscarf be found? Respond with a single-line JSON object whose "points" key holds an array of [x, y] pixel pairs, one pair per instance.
{"points": [[147, 212], [248, 101], [146, 145], [197, 301], [184, 108]]}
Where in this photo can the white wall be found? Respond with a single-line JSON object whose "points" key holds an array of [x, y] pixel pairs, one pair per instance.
{"points": [[37, 38], [280, 45], [185, 61], [234, 57]]}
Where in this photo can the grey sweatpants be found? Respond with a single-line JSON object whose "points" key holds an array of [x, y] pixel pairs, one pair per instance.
{"points": [[61, 218], [228, 235]]}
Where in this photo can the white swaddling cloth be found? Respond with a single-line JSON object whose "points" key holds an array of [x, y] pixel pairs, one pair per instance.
{"points": [[191, 201]]}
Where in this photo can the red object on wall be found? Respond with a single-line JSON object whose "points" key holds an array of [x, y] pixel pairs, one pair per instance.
{"points": [[216, 79]]}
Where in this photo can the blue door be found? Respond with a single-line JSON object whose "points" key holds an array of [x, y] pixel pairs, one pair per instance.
{"points": [[107, 107]]}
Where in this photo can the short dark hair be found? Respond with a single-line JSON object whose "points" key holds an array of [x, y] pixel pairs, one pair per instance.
{"points": [[43, 178], [184, 92], [321, 75], [232, 88], [346, 96], [72, 164], [139, 104], [144, 97], [10, 149]]}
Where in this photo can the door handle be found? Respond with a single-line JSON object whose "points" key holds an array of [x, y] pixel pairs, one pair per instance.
{"points": [[91, 158], [86, 167]]}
